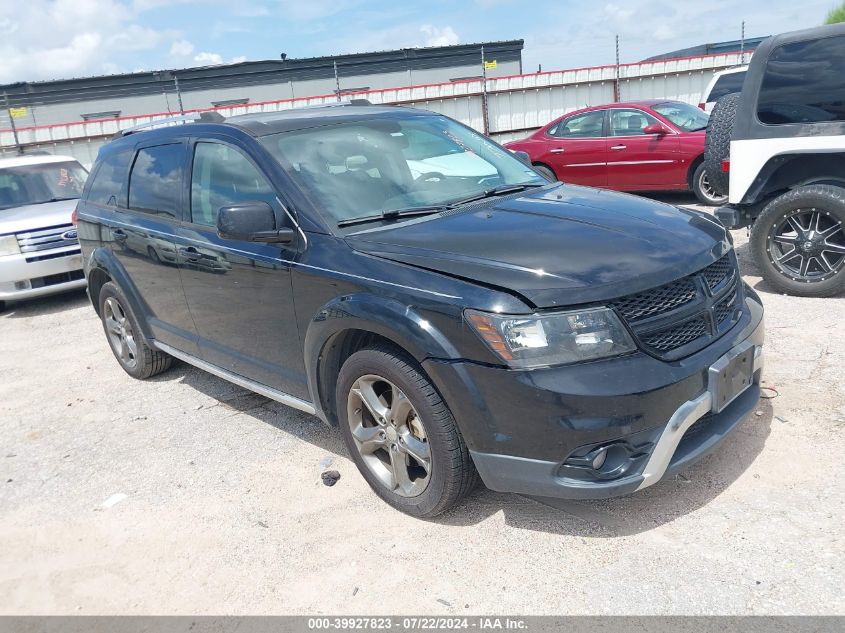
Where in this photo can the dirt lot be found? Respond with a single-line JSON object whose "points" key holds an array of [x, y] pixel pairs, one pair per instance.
{"points": [[224, 513]]}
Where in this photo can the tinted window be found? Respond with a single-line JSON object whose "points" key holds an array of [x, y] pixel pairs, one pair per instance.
{"points": [[107, 182], [726, 84], [223, 176], [155, 184], [804, 83], [629, 122], [588, 125]]}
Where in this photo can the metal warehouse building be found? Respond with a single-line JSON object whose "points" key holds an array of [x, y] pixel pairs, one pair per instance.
{"points": [[132, 94]]}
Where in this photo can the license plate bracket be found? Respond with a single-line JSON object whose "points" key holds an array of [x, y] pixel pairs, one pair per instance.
{"points": [[729, 376]]}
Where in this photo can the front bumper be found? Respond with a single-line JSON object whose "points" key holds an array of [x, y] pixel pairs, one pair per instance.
{"points": [[22, 279], [526, 429]]}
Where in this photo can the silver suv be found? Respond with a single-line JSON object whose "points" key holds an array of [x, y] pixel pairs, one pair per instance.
{"points": [[39, 250]]}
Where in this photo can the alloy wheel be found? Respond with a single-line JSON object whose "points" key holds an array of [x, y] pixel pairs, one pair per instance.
{"points": [[708, 191], [389, 435], [120, 332], [807, 245]]}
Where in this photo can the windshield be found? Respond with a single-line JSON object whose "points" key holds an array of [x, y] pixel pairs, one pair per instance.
{"points": [[363, 168], [687, 117], [44, 182]]}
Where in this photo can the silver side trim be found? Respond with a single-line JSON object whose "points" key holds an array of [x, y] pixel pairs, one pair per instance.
{"points": [[686, 415], [246, 383]]}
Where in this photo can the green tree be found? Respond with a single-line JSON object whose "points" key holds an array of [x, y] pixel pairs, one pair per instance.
{"points": [[836, 14]]}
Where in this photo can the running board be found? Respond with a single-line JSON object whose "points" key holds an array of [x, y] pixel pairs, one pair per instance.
{"points": [[246, 383]]}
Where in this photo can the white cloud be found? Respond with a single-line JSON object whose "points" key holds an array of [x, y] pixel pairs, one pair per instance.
{"points": [[209, 59], [435, 36], [181, 48], [238, 59]]}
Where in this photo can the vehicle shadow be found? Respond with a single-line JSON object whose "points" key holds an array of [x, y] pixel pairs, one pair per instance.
{"points": [[609, 518], [51, 304]]}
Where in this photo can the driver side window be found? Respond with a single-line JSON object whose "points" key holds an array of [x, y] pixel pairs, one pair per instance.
{"points": [[222, 176], [629, 122]]}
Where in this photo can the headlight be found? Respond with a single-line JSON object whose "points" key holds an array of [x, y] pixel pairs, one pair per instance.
{"points": [[9, 245], [527, 341]]}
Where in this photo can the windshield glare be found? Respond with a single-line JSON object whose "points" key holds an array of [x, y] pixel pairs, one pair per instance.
{"points": [[687, 117], [45, 182], [364, 168]]}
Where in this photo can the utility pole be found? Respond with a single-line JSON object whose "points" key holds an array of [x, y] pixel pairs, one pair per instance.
{"points": [[178, 94], [12, 122], [616, 95], [336, 81], [484, 113], [742, 44]]}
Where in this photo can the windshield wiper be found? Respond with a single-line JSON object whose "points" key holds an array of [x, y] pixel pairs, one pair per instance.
{"points": [[56, 200], [393, 214], [501, 190]]}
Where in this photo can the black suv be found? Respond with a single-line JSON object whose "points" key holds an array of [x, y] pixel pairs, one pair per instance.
{"points": [[405, 278]]}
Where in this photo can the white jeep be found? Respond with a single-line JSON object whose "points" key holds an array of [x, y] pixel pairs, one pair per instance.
{"points": [[778, 150]]}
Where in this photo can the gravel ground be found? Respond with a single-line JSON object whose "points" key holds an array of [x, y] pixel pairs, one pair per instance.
{"points": [[185, 494]]}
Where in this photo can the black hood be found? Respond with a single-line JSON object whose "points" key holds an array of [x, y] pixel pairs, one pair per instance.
{"points": [[559, 246]]}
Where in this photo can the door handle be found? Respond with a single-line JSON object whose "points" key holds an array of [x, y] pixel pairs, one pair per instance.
{"points": [[557, 150], [619, 147]]}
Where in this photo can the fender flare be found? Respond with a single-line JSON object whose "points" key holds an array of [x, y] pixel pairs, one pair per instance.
{"points": [[103, 259], [388, 318]]}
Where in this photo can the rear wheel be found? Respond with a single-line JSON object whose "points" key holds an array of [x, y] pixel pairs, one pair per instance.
{"points": [[798, 241], [546, 173], [704, 190], [125, 337], [401, 434], [717, 144]]}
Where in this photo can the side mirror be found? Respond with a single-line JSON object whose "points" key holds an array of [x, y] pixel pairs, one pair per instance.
{"points": [[251, 222], [655, 128], [522, 156]]}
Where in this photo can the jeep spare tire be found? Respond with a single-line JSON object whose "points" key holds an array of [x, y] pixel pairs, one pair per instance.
{"points": [[717, 145]]}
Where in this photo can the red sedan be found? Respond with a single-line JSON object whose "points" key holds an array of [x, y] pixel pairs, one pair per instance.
{"points": [[653, 145]]}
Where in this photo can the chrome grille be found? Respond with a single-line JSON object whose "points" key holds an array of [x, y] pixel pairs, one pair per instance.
{"points": [[687, 314], [62, 236]]}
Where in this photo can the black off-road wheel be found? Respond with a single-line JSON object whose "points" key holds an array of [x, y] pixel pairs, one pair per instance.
{"points": [[546, 173], [703, 190], [400, 433], [126, 338], [717, 144], [798, 241]]}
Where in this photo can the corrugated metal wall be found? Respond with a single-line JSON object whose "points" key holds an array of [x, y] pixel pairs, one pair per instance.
{"points": [[516, 104]]}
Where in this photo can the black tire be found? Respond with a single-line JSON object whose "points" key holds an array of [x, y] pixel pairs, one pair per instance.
{"points": [[2, 306], [829, 202], [717, 144], [145, 361], [452, 474], [546, 173], [703, 190]]}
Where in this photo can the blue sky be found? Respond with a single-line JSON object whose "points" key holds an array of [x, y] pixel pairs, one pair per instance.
{"points": [[49, 39]]}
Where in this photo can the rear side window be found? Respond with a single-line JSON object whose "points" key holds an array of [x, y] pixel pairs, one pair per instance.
{"points": [[155, 184], [804, 82], [223, 176], [726, 85], [107, 182], [587, 125]]}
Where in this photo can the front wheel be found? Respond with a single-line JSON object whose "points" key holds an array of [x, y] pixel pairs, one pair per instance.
{"points": [[400, 433], [546, 173], [704, 190], [798, 241]]}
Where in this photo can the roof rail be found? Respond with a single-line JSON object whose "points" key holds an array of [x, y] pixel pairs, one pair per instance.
{"points": [[335, 104], [210, 116]]}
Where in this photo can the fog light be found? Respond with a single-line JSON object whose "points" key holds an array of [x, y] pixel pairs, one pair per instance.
{"points": [[599, 459], [22, 285]]}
